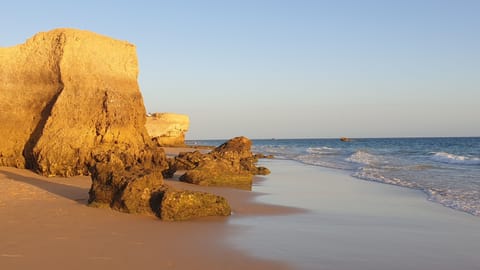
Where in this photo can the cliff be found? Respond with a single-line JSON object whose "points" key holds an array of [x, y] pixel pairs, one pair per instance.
{"points": [[67, 95], [168, 129], [70, 104]]}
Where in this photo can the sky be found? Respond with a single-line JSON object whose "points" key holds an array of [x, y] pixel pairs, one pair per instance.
{"points": [[289, 69]]}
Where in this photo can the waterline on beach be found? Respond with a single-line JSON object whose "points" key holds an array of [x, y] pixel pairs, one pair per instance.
{"points": [[447, 170], [353, 224]]}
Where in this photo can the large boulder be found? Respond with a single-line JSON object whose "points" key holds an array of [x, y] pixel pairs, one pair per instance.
{"points": [[66, 96], [168, 129], [123, 184], [219, 172], [231, 164], [180, 205]]}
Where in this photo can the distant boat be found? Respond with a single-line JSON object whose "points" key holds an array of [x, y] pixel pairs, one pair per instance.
{"points": [[345, 139]]}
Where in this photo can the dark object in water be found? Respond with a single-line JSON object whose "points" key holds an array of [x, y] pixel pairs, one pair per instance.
{"points": [[345, 139]]}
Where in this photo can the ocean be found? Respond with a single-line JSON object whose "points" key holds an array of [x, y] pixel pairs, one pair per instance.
{"points": [[447, 170]]}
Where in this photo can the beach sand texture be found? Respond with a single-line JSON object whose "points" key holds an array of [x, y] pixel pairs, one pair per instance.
{"points": [[345, 223], [45, 224]]}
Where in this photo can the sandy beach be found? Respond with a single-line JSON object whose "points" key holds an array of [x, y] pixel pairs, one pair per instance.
{"points": [[299, 217], [321, 135], [46, 224]]}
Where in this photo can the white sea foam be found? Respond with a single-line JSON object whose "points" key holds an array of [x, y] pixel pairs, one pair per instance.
{"points": [[467, 201], [278, 151], [376, 175], [322, 150], [455, 159], [363, 157], [313, 159], [415, 165]]}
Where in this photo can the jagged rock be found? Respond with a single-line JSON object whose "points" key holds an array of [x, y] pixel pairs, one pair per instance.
{"points": [[184, 161], [168, 129], [231, 164], [218, 173], [123, 184], [189, 160], [139, 191], [65, 94], [183, 205]]}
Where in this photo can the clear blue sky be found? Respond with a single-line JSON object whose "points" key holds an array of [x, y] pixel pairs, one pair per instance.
{"points": [[290, 69]]}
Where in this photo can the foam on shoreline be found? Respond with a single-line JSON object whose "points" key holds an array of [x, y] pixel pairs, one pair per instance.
{"points": [[352, 224]]}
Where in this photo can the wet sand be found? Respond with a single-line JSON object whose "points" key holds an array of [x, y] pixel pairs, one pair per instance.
{"points": [[45, 224], [356, 224], [299, 217]]}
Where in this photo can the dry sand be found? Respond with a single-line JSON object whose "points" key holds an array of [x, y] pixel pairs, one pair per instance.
{"points": [[45, 224]]}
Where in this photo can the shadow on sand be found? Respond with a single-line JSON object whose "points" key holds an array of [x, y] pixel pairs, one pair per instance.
{"points": [[74, 193]]}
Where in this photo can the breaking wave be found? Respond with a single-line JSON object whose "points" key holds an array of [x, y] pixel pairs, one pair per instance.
{"points": [[445, 157], [363, 157]]}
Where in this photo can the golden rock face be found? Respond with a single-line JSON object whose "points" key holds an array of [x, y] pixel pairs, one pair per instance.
{"points": [[168, 128], [65, 95]]}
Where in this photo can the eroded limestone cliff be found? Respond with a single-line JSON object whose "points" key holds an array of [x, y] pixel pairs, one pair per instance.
{"points": [[65, 95], [168, 129]]}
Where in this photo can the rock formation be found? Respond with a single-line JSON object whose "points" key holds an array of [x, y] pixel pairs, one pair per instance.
{"points": [[66, 94], [183, 205], [231, 164], [70, 104], [141, 191], [168, 129], [123, 184]]}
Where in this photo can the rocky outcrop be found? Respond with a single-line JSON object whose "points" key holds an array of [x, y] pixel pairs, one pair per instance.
{"points": [[182, 205], [67, 95], [123, 184], [69, 105], [142, 191], [168, 129], [231, 164]]}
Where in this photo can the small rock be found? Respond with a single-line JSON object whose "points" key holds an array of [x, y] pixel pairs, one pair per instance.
{"points": [[184, 205]]}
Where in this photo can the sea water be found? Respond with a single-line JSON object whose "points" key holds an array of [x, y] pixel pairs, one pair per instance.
{"points": [[446, 169]]}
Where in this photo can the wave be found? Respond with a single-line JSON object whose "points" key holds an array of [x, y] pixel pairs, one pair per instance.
{"points": [[278, 151], [312, 159], [324, 150], [458, 199], [376, 175], [445, 157], [365, 158], [466, 201]]}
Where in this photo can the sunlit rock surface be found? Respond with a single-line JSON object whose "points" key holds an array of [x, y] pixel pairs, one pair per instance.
{"points": [[168, 129], [67, 95]]}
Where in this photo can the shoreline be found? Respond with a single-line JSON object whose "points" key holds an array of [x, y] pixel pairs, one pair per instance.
{"points": [[299, 217], [46, 223], [357, 224]]}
